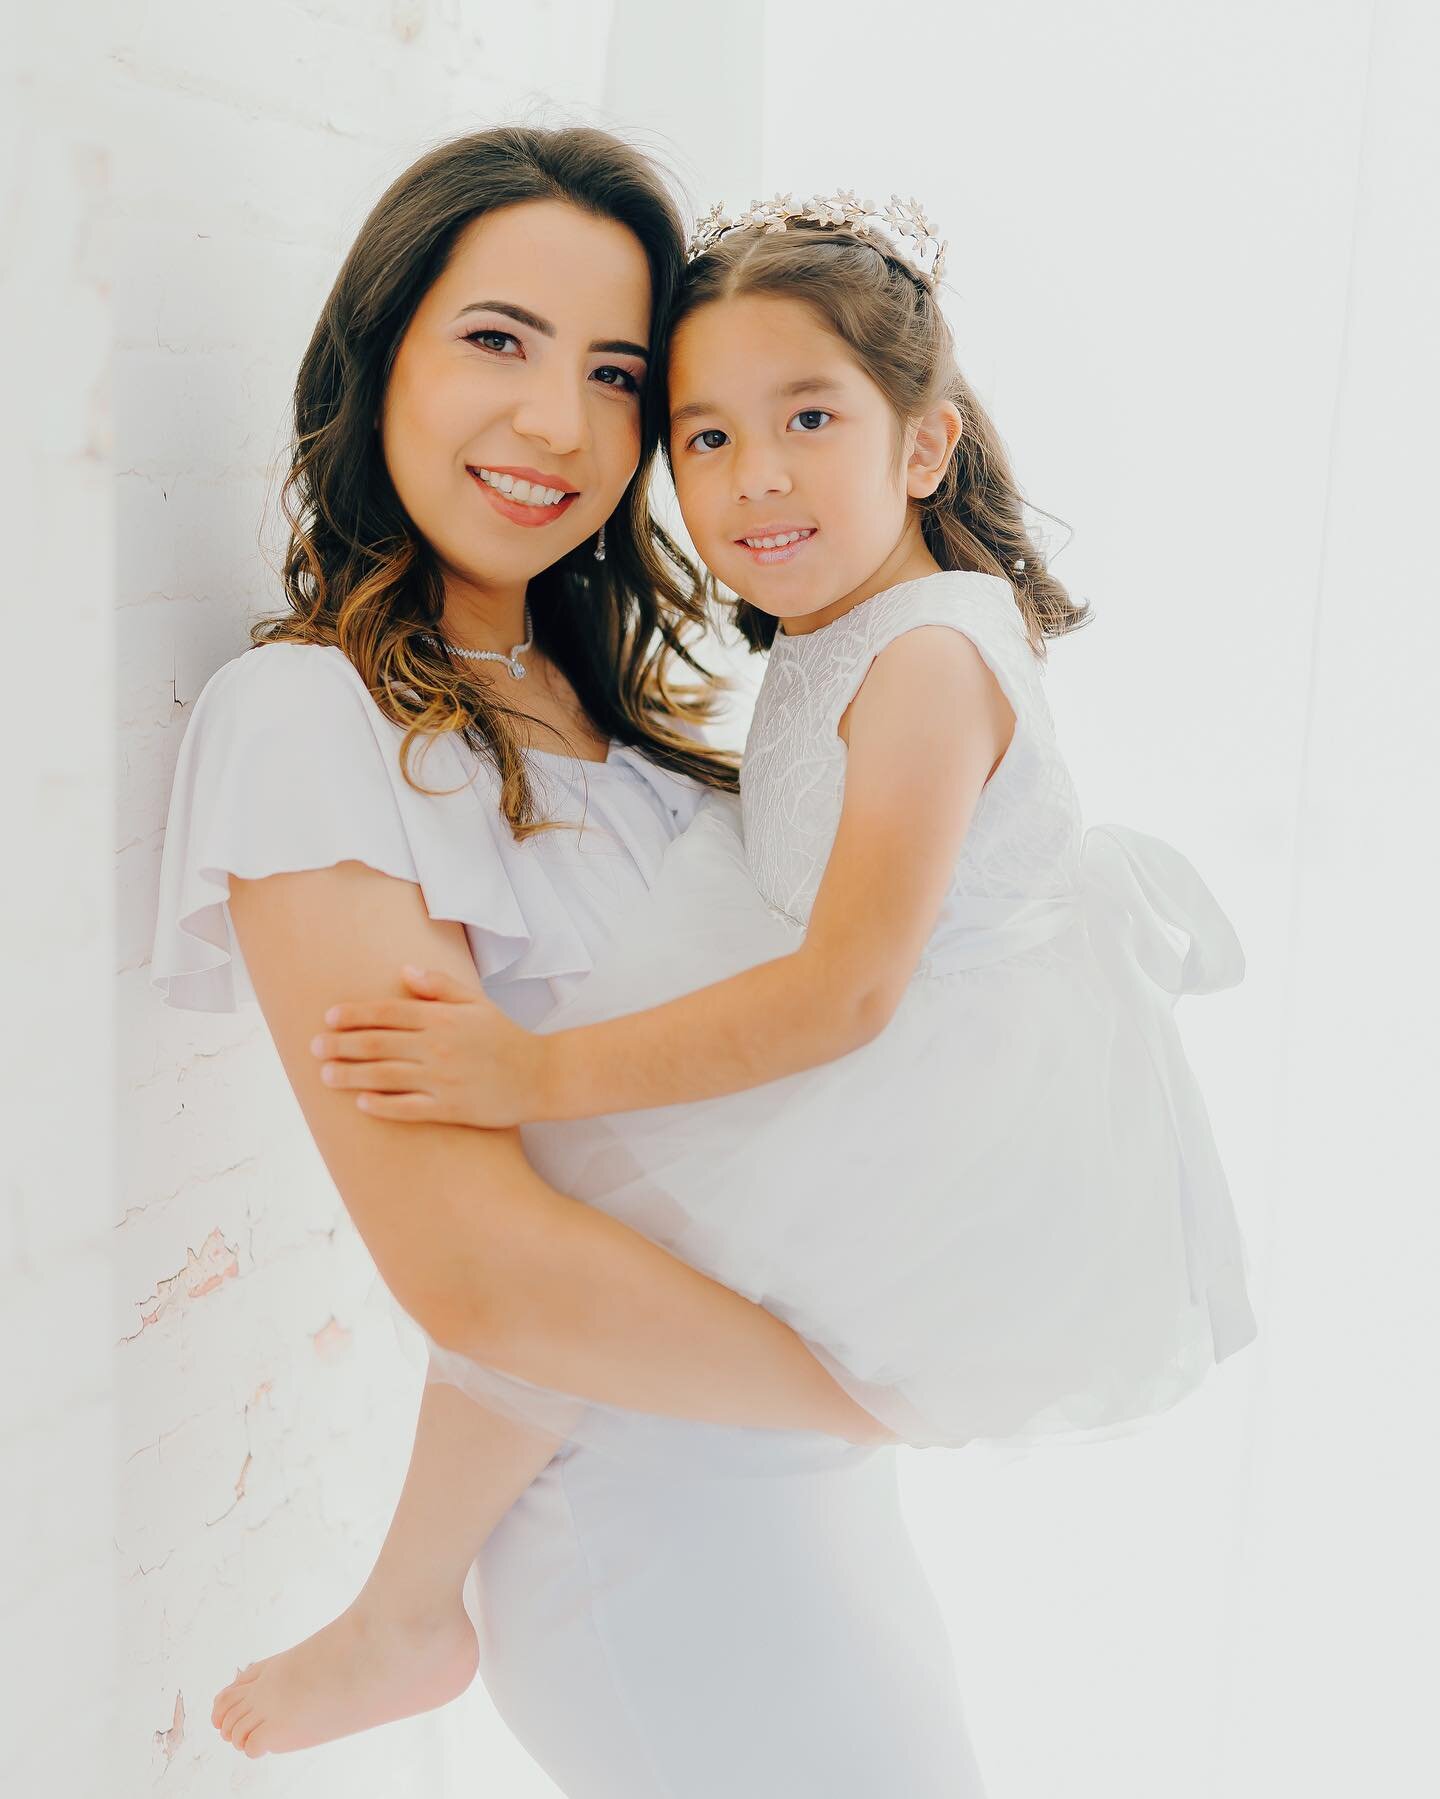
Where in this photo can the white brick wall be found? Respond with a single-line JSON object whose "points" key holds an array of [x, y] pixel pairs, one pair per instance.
{"points": [[197, 1370], [56, 1123]]}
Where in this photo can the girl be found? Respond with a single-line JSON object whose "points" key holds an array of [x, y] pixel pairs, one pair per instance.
{"points": [[947, 1130], [353, 791]]}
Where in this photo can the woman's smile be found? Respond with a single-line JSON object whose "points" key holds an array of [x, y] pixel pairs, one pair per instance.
{"points": [[525, 496]]}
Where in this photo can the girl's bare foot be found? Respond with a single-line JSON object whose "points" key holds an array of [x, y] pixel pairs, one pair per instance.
{"points": [[362, 1670]]}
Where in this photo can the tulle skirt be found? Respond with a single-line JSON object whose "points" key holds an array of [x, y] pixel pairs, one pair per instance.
{"points": [[1002, 1219]]}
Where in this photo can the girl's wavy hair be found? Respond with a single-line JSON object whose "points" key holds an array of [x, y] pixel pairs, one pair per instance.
{"points": [[891, 323], [357, 573]]}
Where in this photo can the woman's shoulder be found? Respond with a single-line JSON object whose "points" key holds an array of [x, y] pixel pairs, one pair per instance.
{"points": [[318, 672], [307, 696], [288, 765]]}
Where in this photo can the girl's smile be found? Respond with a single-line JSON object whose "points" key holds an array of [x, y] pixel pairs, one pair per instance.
{"points": [[777, 543]]}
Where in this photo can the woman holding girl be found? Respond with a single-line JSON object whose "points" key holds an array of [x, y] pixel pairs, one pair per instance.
{"points": [[737, 1607], [894, 1060]]}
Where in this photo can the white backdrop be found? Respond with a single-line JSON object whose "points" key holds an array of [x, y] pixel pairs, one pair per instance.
{"points": [[1194, 276]]}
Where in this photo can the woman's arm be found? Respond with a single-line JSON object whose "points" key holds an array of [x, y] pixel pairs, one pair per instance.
{"points": [[473, 1244], [925, 731]]}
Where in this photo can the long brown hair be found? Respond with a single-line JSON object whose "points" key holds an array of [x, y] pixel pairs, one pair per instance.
{"points": [[357, 573], [892, 325]]}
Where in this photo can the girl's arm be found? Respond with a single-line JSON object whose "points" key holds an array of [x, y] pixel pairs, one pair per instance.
{"points": [[925, 731], [473, 1244]]}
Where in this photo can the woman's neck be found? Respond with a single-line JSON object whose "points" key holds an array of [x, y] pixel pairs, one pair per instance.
{"points": [[480, 619]]}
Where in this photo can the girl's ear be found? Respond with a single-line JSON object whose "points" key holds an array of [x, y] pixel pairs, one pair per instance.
{"points": [[934, 439]]}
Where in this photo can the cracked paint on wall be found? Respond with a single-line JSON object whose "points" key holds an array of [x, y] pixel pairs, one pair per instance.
{"points": [[205, 1270], [168, 1741], [332, 1341]]}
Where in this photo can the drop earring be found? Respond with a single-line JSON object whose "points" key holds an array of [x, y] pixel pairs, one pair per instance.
{"points": [[600, 545]]}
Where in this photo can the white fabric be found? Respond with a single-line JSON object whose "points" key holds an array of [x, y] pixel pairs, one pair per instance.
{"points": [[1005, 1217], [722, 1615], [671, 1611], [289, 764], [1024, 839]]}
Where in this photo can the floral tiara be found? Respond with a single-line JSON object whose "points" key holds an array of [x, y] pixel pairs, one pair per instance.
{"points": [[899, 230]]}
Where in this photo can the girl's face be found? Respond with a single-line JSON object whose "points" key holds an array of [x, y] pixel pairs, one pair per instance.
{"points": [[776, 433], [520, 370]]}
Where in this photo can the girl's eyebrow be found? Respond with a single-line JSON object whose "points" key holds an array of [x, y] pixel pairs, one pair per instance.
{"points": [[620, 346], [807, 384]]}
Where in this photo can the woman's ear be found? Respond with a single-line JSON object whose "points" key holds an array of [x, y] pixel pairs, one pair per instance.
{"points": [[932, 445]]}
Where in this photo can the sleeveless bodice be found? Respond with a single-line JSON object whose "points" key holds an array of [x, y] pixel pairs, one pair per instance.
{"points": [[1024, 839]]}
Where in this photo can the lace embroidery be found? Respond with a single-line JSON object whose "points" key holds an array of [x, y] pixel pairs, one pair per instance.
{"points": [[1024, 840]]}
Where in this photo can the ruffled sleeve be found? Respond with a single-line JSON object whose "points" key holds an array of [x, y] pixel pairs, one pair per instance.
{"points": [[288, 764]]}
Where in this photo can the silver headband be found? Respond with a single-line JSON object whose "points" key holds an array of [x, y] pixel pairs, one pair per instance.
{"points": [[900, 230]]}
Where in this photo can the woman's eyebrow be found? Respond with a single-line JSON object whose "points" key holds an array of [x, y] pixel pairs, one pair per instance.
{"points": [[807, 384], [522, 316]]}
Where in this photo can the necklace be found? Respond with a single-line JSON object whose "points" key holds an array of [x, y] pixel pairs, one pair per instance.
{"points": [[512, 661]]}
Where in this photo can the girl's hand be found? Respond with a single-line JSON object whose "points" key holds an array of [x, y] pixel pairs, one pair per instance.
{"points": [[448, 1056]]}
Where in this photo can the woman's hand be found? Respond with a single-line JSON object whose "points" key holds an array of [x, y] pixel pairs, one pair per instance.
{"points": [[448, 1056]]}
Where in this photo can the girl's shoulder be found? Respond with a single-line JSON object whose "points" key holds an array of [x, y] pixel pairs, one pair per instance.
{"points": [[982, 606], [836, 659]]}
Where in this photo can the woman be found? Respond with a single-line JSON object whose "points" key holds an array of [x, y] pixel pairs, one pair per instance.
{"points": [[475, 586]]}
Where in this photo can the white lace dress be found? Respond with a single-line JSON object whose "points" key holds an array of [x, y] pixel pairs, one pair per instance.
{"points": [[1005, 1217]]}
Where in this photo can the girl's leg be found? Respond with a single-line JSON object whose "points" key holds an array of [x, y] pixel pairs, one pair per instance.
{"points": [[405, 1644]]}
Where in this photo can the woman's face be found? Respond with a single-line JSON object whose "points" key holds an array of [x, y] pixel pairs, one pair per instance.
{"points": [[521, 370], [776, 432]]}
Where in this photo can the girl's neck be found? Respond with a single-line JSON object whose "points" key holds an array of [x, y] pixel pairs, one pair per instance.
{"points": [[908, 561]]}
